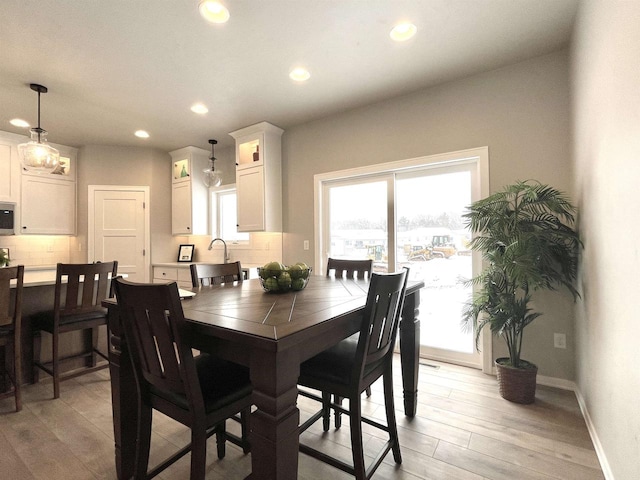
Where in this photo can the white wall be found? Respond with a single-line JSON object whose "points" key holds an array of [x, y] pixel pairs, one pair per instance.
{"points": [[606, 110], [521, 112]]}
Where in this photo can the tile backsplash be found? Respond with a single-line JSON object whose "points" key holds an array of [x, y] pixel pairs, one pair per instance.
{"points": [[36, 250]]}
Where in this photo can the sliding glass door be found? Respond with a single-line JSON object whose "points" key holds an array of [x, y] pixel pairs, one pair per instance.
{"points": [[412, 217], [432, 241]]}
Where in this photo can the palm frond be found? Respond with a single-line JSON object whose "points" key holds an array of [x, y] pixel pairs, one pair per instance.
{"points": [[526, 236]]}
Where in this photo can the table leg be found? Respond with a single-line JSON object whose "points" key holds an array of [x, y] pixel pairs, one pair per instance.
{"points": [[274, 425], [124, 395], [410, 352]]}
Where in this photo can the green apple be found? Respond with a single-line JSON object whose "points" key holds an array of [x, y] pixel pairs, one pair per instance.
{"points": [[297, 284], [271, 284], [271, 269], [295, 271], [305, 269], [284, 281]]}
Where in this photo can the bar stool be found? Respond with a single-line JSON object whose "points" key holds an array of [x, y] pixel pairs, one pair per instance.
{"points": [[200, 392], [80, 289], [10, 328], [348, 368]]}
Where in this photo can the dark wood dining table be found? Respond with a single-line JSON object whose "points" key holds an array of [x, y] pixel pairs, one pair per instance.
{"points": [[271, 333]]}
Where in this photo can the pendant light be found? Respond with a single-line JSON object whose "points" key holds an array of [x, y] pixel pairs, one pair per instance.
{"points": [[212, 177], [37, 155]]}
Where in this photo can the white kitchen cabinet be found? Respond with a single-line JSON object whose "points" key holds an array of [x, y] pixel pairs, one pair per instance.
{"points": [[259, 177], [182, 275], [48, 206], [48, 200], [189, 194], [9, 167]]}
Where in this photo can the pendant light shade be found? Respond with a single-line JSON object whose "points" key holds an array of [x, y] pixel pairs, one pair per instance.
{"points": [[211, 176], [37, 155]]}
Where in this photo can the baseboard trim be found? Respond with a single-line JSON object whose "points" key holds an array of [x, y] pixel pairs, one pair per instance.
{"points": [[604, 464], [556, 382]]}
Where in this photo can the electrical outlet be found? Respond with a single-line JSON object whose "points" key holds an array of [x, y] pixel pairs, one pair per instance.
{"points": [[559, 340], [50, 247], [305, 245]]}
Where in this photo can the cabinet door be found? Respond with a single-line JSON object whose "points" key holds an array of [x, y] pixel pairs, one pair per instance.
{"points": [[8, 173], [181, 209], [250, 186], [48, 206]]}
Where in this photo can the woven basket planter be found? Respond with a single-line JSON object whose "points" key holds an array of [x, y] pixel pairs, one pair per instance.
{"points": [[517, 384]]}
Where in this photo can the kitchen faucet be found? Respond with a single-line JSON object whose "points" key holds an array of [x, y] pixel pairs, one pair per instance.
{"points": [[226, 257]]}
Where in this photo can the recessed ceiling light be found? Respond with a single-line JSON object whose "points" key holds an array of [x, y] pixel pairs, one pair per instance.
{"points": [[403, 31], [18, 122], [213, 11], [141, 134], [299, 74], [199, 108]]}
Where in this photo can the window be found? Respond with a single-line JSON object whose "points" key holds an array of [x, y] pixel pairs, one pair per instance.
{"points": [[224, 221]]}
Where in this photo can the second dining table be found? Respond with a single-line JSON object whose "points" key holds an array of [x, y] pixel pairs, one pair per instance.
{"points": [[272, 334]]}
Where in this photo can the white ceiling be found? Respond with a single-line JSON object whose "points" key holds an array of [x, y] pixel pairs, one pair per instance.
{"points": [[116, 66]]}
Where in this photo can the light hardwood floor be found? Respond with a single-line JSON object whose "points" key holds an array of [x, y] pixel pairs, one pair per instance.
{"points": [[463, 430]]}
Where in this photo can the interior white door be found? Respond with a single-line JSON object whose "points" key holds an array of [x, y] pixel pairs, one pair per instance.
{"points": [[118, 220]]}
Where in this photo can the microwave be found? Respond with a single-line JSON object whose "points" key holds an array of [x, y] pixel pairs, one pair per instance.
{"points": [[7, 218]]}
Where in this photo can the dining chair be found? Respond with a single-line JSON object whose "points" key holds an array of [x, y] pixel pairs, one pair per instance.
{"points": [[349, 268], [204, 274], [200, 392], [348, 368], [10, 329], [79, 291]]}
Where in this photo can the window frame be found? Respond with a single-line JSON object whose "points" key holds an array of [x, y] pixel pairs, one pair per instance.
{"points": [[215, 193]]}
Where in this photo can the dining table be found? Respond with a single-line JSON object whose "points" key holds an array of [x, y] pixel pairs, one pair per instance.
{"points": [[272, 334]]}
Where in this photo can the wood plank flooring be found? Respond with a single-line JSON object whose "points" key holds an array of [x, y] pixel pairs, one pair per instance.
{"points": [[463, 430]]}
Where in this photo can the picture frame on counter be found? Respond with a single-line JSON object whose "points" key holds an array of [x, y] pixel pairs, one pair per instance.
{"points": [[185, 252]]}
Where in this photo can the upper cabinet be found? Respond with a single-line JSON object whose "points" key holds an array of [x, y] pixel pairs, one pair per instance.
{"points": [[9, 167], [48, 200], [189, 194], [259, 177]]}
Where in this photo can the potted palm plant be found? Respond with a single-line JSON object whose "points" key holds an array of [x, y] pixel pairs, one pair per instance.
{"points": [[526, 236]]}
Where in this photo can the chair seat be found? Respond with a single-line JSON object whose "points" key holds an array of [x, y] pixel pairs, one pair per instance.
{"points": [[334, 365], [222, 383], [44, 320]]}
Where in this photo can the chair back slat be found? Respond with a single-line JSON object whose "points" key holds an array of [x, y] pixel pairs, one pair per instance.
{"points": [[215, 273], [155, 327], [85, 286], [349, 268], [11, 311], [380, 319]]}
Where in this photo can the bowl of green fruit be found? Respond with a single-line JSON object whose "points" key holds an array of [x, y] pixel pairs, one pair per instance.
{"points": [[277, 278]]}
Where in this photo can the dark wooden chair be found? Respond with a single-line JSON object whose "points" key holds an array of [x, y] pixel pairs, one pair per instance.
{"points": [[349, 268], [10, 329], [80, 289], [199, 392], [215, 273], [348, 368]]}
